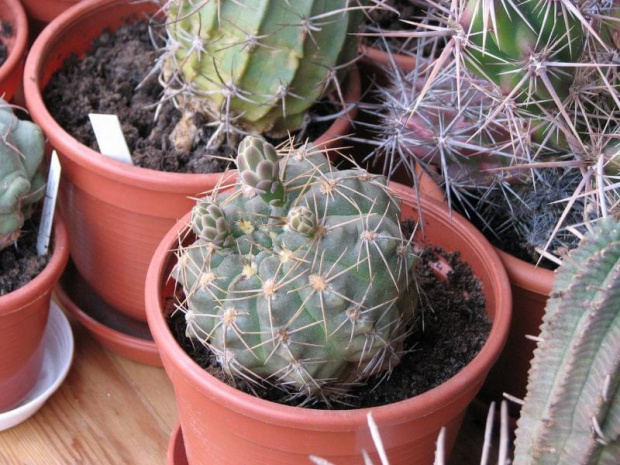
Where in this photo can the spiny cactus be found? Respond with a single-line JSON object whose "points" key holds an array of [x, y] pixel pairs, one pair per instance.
{"points": [[301, 275], [571, 413], [21, 183], [507, 90], [256, 65]]}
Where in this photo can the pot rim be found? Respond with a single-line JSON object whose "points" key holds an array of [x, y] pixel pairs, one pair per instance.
{"points": [[527, 276], [46, 279], [19, 21], [421, 405], [94, 161]]}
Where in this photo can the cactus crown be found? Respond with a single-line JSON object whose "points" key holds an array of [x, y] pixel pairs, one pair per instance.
{"points": [[301, 275], [571, 413], [256, 65], [504, 90], [21, 183]]}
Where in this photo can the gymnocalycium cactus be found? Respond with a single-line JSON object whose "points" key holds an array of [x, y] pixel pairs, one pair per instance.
{"points": [[301, 276], [571, 413], [258, 65], [21, 182]]}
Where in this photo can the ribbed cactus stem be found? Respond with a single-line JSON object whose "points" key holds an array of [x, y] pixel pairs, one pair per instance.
{"points": [[571, 414]]}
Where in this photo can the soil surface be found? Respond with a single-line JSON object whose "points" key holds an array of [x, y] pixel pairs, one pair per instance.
{"points": [[107, 80], [450, 329], [19, 263], [389, 20], [6, 30]]}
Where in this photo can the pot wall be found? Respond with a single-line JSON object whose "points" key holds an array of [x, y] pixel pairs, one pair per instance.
{"points": [[224, 426], [46, 10], [11, 71], [23, 318], [116, 213]]}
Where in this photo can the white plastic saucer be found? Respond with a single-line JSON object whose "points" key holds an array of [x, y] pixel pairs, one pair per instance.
{"points": [[58, 340]]}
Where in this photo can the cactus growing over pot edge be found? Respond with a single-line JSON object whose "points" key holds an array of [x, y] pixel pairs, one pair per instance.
{"points": [[300, 276], [21, 183], [255, 65]]}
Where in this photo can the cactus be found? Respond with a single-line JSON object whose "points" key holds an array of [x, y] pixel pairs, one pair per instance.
{"points": [[300, 276], [21, 183], [571, 413], [258, 65]]}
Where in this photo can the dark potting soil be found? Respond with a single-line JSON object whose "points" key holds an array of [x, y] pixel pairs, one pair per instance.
{"points": [[389, 20], [106, 81], [450, 329], [19, 263], [6, 31]]}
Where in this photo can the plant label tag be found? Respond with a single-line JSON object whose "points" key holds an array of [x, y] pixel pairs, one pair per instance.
{"points": [[110, 137], [49, 205]]}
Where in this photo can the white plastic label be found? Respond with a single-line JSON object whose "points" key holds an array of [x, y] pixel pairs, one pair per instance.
{"points": [[110, 137], [49, 205]]}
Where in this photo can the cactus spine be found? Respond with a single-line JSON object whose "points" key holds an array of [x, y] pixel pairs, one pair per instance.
{"points": [[256, 64], [571, 413], [301, 275], [21, 183]]}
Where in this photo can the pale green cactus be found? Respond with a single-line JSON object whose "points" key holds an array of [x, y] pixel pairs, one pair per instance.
{"points": [[571, 414], [21, 182], [302, 276], [256, 64]]}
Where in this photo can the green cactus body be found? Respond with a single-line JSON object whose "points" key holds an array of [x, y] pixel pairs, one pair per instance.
{"points": [[525, 36], [263, 63], [21, 183], [571, 414], [313, 289]]}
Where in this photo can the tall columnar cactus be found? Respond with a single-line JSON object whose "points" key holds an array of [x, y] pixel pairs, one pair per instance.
{"points": [[571, 413], [21, 183], [256, 64], [301, 276]]}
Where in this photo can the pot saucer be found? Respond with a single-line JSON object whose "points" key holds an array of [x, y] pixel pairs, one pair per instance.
{"points": [[112, 329], [57, 357], [176, 448]]}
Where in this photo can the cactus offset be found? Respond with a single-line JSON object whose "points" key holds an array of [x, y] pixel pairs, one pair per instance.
{"points": [[21, 183], [571, 413], [301, 275], [257, 65]]}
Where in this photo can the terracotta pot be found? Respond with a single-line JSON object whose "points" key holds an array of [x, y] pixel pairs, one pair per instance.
{"points": [[23, 317], [116, 213], [46, 10], [11, 70], [380, 58], [222, 425], [531, 287]]}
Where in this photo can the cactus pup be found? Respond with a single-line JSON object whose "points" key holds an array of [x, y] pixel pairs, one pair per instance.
{"points": [[301, 275], [21, 182]]}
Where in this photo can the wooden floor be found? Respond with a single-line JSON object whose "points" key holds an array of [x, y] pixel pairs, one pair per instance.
{"points": [[112, 411]]}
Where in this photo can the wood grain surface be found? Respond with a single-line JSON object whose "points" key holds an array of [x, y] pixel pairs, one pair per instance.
{"points": [[112, 411]]}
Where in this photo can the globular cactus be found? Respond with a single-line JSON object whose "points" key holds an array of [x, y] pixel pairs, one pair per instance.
{"points": [[21, 182], [258, 65], [301, 275], [571, 413]]}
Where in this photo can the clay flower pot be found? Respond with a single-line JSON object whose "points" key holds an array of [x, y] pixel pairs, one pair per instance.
{"points": [[116, 213], [23, 317], [12, 69], [382, 59], [223, 425], [46, 10]]}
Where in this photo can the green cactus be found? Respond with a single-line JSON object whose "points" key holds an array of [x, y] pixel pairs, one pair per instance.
{"points": [[262, 64], [21, 182], [571, 413], [301, 275]]}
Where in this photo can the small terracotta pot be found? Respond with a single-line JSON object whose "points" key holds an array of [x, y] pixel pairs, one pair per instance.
{"points": [[12, 69], [23, 317], [46, 10], [225, 426], [116, 213], [380, 58], [531, 287]]}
